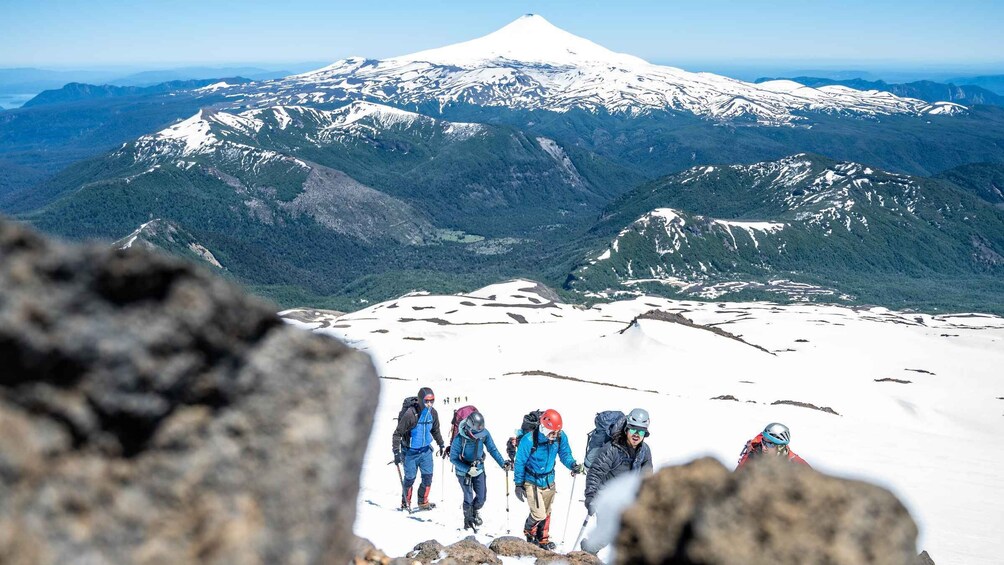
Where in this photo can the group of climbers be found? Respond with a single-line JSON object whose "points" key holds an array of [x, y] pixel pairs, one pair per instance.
{"points": [[615, 447]]}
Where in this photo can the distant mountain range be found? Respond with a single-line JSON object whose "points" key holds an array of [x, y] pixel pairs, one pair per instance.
{"points": [[490, 159], [75, 91], [929, 91]]}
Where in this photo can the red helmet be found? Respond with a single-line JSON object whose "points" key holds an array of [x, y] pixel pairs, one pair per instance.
{"points": [[550, 420]]}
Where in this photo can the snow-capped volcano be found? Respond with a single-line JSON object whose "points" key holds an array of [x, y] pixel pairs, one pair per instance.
{"points": [[531, 64], [529, 39]]}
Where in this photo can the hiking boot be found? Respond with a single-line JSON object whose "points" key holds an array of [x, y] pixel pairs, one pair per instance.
{"points": [[548, 545], [426, 506], [477, 517]]}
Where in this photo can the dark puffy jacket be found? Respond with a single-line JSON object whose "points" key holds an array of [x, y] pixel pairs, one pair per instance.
{"points": [[615, 459]]}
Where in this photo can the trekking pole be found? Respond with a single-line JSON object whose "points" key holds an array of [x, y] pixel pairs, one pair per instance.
{"points": [[582, 530], [568, 514], [442, 481], [507, 501]]}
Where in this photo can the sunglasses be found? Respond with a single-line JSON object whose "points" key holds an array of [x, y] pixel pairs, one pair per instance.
{"points": [[430, 399], [637, 432], [767, 444]]}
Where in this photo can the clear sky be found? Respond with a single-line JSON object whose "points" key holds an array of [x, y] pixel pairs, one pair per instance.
{"points": [[70, 33]]}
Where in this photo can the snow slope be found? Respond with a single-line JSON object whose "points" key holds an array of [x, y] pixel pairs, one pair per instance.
{"points": [[917, 398], [531, 64]]}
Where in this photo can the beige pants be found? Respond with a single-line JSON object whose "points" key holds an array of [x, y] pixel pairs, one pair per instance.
{"points": [[539, 499]]}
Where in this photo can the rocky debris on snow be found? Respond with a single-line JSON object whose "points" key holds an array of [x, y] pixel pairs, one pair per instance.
{"points": [[675, 318], [154, 413], [924, 559], [891, 380], [517, 317], [323, 318], [826, 409], [772, 512], [536, 373], [725, 397]]}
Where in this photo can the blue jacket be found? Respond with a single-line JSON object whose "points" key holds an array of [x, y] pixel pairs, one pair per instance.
{"points": [[539, 467], [465, 450]]}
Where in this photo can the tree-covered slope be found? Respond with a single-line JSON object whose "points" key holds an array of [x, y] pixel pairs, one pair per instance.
{"points": [[803, 218]]}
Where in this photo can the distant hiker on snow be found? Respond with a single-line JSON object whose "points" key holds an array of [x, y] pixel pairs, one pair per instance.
{"points": [[534, 472], [773, 440], [467, 453], [626, 452], [417, 425]]}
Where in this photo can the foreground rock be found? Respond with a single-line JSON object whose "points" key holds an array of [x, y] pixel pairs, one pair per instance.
{"points": [[772, 513], [152, 413]]}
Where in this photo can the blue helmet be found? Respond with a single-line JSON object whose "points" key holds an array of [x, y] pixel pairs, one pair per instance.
{"points": [[777, 433]]}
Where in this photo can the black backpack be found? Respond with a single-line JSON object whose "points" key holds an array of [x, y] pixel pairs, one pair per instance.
{"points": [[410, 403], [530, 423], [606, 423]]}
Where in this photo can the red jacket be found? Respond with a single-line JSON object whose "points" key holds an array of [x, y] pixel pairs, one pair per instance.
{"points": [[754, 449]]}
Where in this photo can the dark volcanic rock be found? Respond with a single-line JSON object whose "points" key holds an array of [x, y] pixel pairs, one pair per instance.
{"points": [[468, 550], [774, 512], [512, 546], [154, 413], [924, 559]]}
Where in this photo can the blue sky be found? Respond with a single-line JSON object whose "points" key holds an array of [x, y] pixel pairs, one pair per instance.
{"points": [[53, 33]]}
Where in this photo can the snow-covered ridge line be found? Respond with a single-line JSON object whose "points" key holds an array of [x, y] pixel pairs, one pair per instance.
{"points": [[531, 64], [206, 130]]}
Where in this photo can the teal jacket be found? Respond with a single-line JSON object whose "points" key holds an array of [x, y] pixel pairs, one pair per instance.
{"points": [[464, 451]]}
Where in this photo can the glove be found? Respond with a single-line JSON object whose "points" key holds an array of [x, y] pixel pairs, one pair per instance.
{"points": [[508, 465], [589, 506], [578, 468], [397, 457], [521, 493], [444, 453]]}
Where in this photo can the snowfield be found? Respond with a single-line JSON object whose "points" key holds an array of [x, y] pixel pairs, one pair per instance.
{"points": [[912, 402]]}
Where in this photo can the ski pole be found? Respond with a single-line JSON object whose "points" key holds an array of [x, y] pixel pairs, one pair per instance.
{"points": [[442, 482], [581, 531]]}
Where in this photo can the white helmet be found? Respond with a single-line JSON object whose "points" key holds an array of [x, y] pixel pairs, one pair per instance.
{"points": [[638, 419], [777, 433]]}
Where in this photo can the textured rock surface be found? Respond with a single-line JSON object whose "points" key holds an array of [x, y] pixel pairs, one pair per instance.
{"points": [[772, 513], [153, 413], [512, 546]]}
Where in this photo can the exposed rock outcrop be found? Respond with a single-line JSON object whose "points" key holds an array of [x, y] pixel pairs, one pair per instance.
{"points": [[772, 512], [154, 413]]}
